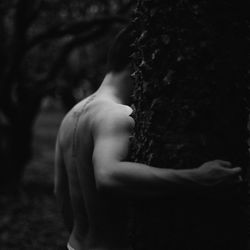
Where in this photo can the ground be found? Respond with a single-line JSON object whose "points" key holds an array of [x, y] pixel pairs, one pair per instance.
{"points": [[30, 220]]}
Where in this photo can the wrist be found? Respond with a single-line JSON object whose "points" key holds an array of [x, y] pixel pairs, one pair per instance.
{"points": [[192, 177], [184, 177]]}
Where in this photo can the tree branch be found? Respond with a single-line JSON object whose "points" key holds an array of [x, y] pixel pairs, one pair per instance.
{"points": [[26, 12], [46, 84], [74, 28]]}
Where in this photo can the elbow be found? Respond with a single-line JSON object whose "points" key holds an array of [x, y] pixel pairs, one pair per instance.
{"points": [[56, 191], [105, 181]]}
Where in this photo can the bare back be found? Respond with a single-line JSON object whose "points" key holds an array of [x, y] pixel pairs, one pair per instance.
{"points": [[100, 221], [91, 152]]}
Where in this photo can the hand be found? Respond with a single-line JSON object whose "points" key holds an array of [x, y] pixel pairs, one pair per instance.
{"points": [[217, 172]]}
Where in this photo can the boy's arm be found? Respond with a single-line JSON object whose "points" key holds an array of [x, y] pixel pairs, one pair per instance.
{"points": [[111, 141]]}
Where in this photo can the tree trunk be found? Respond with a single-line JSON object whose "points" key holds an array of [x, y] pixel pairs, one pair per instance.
{"points": [[191, 75], [16, 141]]}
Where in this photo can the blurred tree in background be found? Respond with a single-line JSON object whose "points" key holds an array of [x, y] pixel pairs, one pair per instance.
{"points": [[48, 48], [191, 68]]}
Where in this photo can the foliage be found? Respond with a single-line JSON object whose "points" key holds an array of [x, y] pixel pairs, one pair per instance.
{"points": [[48, 48], [42, 34], [191, 97]]}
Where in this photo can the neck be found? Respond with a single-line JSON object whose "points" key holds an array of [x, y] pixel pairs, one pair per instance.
{"points": [[117, 87]]}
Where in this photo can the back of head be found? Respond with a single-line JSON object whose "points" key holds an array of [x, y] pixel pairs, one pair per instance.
{"points": [[121, 50]]}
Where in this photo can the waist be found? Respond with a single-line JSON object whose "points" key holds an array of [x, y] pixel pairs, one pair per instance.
{"points": [[106, 239], [69, 247]]}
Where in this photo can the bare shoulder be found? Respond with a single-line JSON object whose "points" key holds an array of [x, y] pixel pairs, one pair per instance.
{"points": [[113, 116], [68, 122]]}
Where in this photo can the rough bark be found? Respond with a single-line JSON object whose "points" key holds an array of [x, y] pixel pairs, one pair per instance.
{"points": [[191, 74]]}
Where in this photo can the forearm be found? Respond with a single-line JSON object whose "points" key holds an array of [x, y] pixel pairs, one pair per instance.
{"points": [[140, 179], [67, 216], [66, 210]]}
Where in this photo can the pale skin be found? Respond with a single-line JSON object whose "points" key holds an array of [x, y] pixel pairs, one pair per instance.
{"points": [[92, 184]]}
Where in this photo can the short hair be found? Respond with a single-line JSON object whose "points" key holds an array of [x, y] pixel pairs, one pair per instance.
{"points": [[121, 50]]}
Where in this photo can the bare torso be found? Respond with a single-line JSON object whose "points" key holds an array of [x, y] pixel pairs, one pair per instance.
{"points": [[90, 164], [100, 221]]}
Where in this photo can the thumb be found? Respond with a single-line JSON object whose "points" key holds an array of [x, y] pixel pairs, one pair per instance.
{"points": [[235, 170]]}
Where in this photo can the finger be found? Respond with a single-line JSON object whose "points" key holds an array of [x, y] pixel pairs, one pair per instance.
{"points": [[225, 163], [235, 170], [236, 179], [235, 182], [232, 181]]}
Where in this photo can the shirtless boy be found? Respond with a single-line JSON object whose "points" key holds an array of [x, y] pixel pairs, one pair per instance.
{"points": [[92, 176]]}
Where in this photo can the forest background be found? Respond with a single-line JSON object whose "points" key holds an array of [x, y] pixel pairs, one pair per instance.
{"points": [[53, 54]]}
